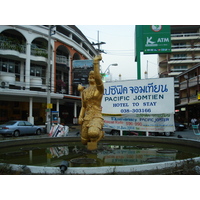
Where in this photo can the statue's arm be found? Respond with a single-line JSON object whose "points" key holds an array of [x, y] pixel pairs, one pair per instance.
{"points": [[82, 112], [81, 115], [97, 75]]}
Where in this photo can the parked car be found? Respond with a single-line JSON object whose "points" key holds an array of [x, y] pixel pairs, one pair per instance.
{"points": [[117, 132], [179, 126], [111, 131], [161, 133], [17, 128]]}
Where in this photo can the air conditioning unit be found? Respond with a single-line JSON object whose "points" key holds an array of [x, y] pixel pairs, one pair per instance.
{"points": [[4, 84]]}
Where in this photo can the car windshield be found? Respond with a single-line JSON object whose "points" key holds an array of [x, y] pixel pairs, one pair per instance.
{"points": [[10, 123]]}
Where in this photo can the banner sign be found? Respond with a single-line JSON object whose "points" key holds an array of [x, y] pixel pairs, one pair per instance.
{"points": [[141, 122], [147, 96], [82, 64], [80, 71], [156, 39]]}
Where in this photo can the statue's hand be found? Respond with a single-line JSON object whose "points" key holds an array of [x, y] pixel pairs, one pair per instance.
{"points": [[97, 58], [80, 87], [80, 120]]}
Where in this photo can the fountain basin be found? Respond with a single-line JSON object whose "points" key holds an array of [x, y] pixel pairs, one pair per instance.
{"points": [[150, 168]]}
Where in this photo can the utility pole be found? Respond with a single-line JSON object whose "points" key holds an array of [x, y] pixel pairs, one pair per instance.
{"points": [[48, 82], [99, 44]]}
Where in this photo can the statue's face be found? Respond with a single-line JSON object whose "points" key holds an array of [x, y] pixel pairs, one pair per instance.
{"points": [[91, 77]]}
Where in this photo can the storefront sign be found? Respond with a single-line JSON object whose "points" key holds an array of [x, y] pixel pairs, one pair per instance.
{"points": [[148, 96]]}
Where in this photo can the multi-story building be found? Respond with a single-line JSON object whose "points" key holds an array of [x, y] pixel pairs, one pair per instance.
{"points": [[189, 93], [23, 71], [185, 40]]}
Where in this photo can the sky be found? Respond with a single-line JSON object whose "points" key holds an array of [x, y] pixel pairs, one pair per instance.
{"points": [[115, 22], [119, 48]]}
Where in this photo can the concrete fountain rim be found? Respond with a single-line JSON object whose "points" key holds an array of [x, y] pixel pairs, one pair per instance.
{"points": [[127, 169]]}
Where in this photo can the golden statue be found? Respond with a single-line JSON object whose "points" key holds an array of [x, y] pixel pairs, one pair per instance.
{"points": [[90, 116]]}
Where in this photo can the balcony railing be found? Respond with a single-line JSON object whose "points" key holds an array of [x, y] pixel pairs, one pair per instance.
{"points": [[197, 57], [185, 48], [181, 58], [178, 70], [185, 35], [188, 59], [184, 100], [181, 46], [193, 98], [7, 45], [62, 59], [39, 52], [183, 85], [193, 81]]}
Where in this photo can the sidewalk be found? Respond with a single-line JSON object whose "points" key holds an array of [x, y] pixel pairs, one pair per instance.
{"points": [[187, 134]]}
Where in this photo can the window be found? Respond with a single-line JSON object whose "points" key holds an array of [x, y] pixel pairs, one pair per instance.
{"points": [[28, 124], [4, 67], [21, 124], [36, 71], [10, 66], [32, 72], [180, 56], [180, 68], [179, 45]]}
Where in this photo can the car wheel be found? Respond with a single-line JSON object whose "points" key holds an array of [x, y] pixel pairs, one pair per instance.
{"points": [[16, 133], [167, 133], [38, 132]]}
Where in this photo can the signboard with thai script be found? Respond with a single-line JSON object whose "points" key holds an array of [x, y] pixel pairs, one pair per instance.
{"points": [[147, 96], [156, 39], [141, 122]]}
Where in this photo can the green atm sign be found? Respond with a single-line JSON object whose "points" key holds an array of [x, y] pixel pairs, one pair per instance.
{"points": [[156, 39]]}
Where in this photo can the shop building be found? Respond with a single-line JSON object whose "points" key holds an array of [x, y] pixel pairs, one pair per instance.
{"points": [[189, 106], [23, 71], [184, 55]]}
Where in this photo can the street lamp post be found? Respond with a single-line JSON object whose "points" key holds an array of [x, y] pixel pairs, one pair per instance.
{"points": [[108, 68]]}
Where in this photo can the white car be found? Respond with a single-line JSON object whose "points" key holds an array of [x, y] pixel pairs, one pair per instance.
{"points": [[17, 128]]}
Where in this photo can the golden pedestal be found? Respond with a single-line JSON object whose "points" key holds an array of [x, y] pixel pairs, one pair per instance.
{"points": [[92, 145]]}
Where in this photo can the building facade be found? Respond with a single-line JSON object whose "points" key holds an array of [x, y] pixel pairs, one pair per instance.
{"points": [[189, 83], [185, 53], [23, 71]]}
